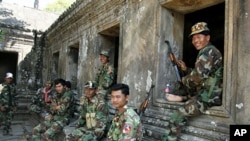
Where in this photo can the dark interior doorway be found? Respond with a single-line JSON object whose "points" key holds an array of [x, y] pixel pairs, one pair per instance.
{"points": [[214, 16], [110, 39], [73, 65], [8, 63]]}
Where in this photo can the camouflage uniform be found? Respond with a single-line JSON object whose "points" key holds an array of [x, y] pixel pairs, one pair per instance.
{"points": [[207, 72], [8, 101], [38, 103], [125, 126], [92, 121], [60, 118], [104, 79]]}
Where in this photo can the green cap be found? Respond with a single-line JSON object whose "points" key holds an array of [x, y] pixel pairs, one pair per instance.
{"points": [[105, 53], [198, 28], [91, 85]]}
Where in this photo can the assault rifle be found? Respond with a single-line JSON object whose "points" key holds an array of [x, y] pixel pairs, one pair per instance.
{"points": [[144, 104], [174, 61]]}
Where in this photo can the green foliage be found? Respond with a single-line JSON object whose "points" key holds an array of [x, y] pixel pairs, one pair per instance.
{"points": [[58, 6], [2, 33]]}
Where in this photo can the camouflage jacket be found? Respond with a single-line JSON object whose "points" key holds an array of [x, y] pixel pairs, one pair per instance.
{"points": [[200, 78], [105, 77], [64, 101], [91, 115], [38, 99], [7, 96], [126, 126]]}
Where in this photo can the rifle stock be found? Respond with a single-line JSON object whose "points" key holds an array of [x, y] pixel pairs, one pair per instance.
{"points": [[144, 104], [174, 61]]}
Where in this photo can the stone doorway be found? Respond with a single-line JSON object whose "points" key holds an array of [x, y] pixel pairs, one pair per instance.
{"points": [[72, 63], [110, 40], [8, 63], [214, 16]]}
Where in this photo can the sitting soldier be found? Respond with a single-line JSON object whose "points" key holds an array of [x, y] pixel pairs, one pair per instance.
{"points": [[58, 114], [92, 122], [41, 101]]}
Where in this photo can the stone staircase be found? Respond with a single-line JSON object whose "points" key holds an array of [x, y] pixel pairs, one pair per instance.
{"points": [[202, 128]]}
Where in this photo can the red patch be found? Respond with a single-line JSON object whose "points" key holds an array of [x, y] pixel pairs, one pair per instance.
{"points": [[127, 128]]}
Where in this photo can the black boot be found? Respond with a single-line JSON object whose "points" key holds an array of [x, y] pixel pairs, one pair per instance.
{"points": [[5, 131]]}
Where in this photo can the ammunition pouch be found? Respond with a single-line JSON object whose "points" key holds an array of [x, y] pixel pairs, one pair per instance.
{"points": [[91, 120]]}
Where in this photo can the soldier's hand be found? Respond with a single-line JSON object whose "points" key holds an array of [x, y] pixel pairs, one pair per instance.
{"points": [[48, 117], [182, 65], [56, 107], [15, 109], [2, 108], [99, 132]]}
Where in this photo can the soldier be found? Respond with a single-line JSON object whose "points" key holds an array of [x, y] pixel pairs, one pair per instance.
{"points": [[41, 100], [126, 124], [92, 122], [73, 100], [58, 115], [7, 102], [204, 81], [105, 76]]}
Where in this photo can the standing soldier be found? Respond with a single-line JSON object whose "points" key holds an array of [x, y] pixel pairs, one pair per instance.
{"points": [[41, 100], [105, 76], [58, 116], [126, 124], [93, 116], [7, 102], [204, 81]]}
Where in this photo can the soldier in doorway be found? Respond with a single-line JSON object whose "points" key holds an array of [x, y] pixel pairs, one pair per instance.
{"points": [[204, 81], [92, 122], [105, 76], [58, 115], [7, 102], [126, 124]]}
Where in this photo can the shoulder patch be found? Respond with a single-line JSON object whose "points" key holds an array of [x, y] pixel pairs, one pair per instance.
{"points": [[127, 128]]}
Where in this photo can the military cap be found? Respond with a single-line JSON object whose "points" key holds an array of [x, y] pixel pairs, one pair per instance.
{"points": [[199, 28], [9, 75], [105, 53], [91, 85]]}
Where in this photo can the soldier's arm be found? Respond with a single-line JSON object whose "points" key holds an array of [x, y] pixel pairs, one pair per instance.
{"points": [[82, 119], [14, 102], [101, 118], [65, 104], [200, 72], [130, 128], [109, 77]]}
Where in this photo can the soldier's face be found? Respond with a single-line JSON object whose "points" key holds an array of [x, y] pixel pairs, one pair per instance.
{"points": [[118, 99], [200, 40], [48, 86], [59, 88], [8, 80], [89, 92], [104, 59]]}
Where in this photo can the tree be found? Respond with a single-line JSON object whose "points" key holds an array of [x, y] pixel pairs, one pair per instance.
{"points": [[58, 6], [2, 33]]}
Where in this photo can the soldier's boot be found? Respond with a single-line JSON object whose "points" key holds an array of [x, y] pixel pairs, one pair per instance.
{"points": [[6, 131]]}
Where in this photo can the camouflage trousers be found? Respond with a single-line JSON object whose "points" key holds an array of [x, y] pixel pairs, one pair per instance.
{"points": [[191, 108], [48, 129], [35, 108], [81, 134], [5, 120]]}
